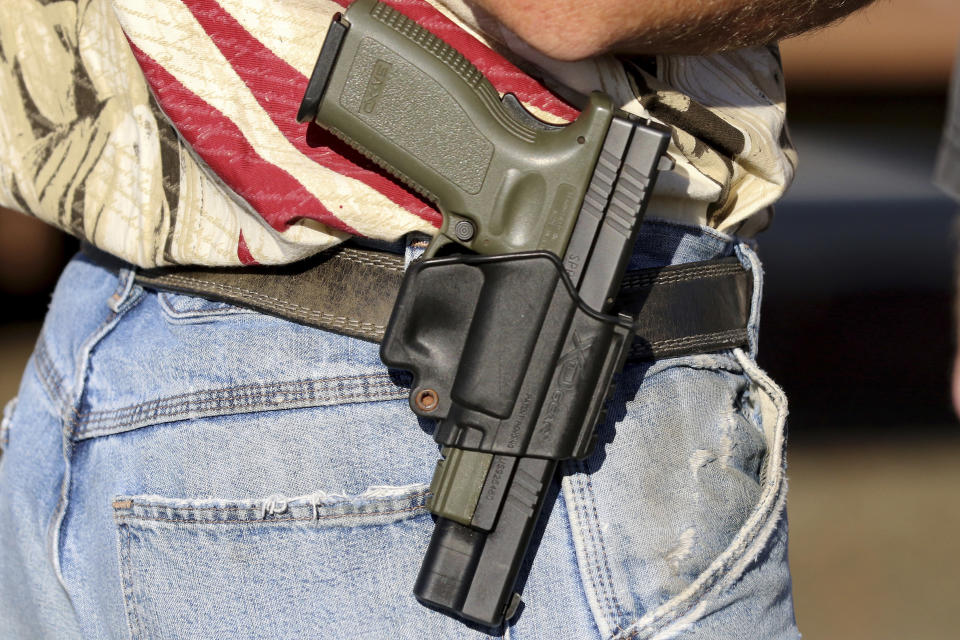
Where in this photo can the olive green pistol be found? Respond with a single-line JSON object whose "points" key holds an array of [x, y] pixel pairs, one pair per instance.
{"points": [[506, 322]]}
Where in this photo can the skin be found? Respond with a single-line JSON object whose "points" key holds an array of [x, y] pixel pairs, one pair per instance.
{"points": [[576, 29]]}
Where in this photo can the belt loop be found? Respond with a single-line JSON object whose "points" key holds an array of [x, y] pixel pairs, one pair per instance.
{"points": [[126, 293], [751, 262]]}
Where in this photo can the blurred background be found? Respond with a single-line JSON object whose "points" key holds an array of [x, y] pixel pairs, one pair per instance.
{"points": [[857, 324], [857, 327]]}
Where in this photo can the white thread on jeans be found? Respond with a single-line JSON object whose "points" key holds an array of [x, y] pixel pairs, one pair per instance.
{"points": [[387, 491], [277, 503], [273, 505], [317, 500]]}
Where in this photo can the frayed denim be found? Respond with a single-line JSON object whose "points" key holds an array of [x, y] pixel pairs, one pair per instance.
{"points": [[181, 468]]}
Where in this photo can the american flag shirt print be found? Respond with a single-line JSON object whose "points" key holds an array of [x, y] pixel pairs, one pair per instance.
{"points": [[164, 132]]}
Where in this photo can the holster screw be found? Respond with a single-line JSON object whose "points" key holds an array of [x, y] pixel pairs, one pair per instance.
{"points": [[427, 400]]}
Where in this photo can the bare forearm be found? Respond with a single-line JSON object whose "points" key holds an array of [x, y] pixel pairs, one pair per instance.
{"points": [[574, 29]]}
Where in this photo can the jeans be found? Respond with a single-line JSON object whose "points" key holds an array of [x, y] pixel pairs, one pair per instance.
{"points": [[182, 468]]}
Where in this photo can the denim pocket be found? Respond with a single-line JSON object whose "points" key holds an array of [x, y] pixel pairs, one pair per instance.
{"points": [[299, 567], [689, 492], [297, 523]]}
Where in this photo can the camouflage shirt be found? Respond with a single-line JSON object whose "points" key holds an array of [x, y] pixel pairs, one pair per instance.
{"points": [[163, 132]]}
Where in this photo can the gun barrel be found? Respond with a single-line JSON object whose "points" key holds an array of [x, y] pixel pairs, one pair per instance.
{"points": [[473, 574], [468, 571]]}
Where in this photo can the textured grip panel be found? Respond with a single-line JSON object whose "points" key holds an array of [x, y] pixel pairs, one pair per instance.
{"points": [[423, 38], [457, 63], [422, 111], [416, 113]]}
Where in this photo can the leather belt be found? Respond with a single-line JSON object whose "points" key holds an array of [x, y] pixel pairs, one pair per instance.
{"points": [[696, 307]]}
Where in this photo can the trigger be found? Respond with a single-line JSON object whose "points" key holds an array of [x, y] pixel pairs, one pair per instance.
{"points": [[517, 110]]}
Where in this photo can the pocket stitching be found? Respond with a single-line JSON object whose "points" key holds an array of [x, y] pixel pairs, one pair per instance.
{"points": [[418, 497], [237, 400], [405, 499], [600, 558], [124, 557], [264, 387], [275, 520], [414, 498]]}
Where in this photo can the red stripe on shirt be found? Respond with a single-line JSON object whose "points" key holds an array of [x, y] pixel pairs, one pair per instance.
{"points": [[279, 198], [278, 88], [243, 252], [503, 74]]}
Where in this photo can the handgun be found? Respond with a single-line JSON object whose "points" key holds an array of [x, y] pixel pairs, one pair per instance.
{"points": [[506, 322]]}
